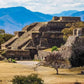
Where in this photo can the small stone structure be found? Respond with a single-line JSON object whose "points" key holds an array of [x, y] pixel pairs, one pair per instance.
{"points": [[67, 19], [78, 32], [41, 55], [40, 35]]}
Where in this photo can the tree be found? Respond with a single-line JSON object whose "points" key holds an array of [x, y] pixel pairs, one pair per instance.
{"points": [[54, 60], [67, 32], [2, 31], [6, 36]]}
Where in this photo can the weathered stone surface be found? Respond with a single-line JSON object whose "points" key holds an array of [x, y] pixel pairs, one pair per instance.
{"points": [[72, 51], [67, 19], [20, 54], [72, 48], [41, 55], [17, 54]]}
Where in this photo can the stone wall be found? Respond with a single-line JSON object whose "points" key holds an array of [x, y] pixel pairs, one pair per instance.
{"points": [[74, 50], [73, 19], [47, 39], [66, 19], [53, 34], [56, 26], [49, 42], [41, 55], [55, 18], [78, 32], [19, 54]]}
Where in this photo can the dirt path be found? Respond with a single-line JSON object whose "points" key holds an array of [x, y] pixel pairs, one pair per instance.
{"points": [[29, 63]]}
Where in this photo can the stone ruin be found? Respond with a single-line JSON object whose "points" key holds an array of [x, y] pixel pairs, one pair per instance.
{"points": [[72, 51], [37, 36], [66, 19]]}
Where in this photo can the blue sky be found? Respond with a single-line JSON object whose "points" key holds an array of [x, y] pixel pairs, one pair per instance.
{"points": [[45, 6]]}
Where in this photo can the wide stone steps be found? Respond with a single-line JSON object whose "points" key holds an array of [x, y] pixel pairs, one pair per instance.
{"points": [[9, 42], [24, 39], [21, 41], [38, 26]]}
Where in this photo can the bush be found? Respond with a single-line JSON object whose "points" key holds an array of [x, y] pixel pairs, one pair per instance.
{"points": [[31, 79], [13, 61], [77, 83], [54, 48]]}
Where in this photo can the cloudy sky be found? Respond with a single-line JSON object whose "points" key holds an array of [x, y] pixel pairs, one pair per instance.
{"points": [[45, 6]]}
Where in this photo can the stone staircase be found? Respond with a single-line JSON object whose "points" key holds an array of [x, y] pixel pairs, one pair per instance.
{"points": [[23, 40], [38, 26], [20, 42], [27, 44], [9, 42]]}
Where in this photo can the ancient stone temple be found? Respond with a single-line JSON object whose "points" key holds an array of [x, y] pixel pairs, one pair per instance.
{"points": [[39, 35]]}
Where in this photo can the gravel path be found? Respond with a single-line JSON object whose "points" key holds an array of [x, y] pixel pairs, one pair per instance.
{"points": [[29, 63]]}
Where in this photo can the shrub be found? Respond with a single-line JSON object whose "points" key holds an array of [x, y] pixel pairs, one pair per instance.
{"points": [[13, 61], [77, 83], [31, 79], [54, 48]]}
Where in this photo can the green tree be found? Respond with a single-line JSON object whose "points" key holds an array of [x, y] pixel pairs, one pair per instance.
{"points": [[6, 36], [69, 30], [2, 31]]}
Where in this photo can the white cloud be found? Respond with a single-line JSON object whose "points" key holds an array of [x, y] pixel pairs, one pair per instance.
{"points": [[45, 6]]}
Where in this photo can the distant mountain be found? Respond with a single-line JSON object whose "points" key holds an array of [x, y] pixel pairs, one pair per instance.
{"points": [[79, 14], [15, 18], [66, 13]]}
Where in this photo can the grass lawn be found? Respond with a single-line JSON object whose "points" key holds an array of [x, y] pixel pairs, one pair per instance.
{"points": [[66, 76], [49, 49]]}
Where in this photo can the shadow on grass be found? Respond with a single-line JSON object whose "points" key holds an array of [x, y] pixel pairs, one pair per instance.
{"points": [[67, 74], [64, 74]]}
